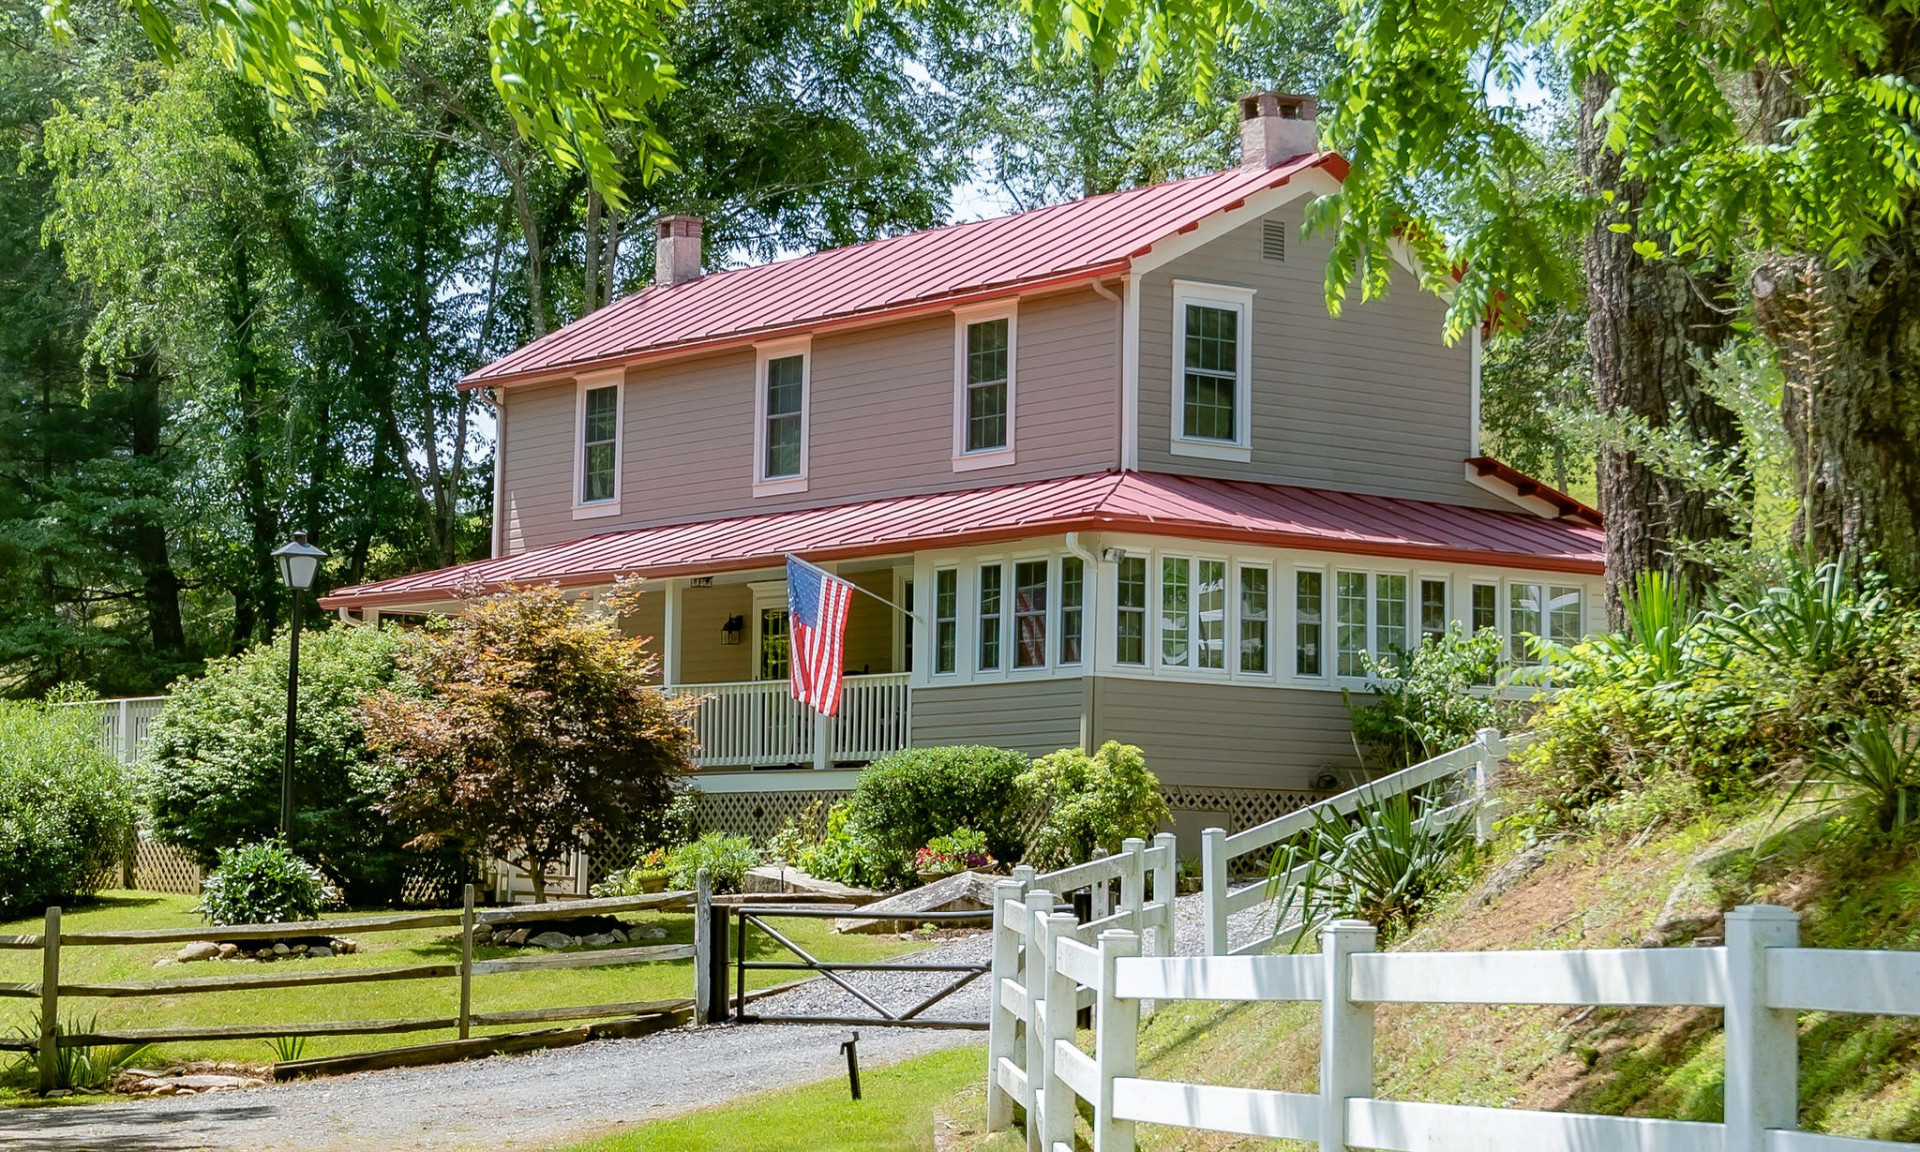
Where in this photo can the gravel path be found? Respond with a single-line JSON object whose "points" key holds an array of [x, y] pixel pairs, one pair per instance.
{"points": [[545, 1098]]}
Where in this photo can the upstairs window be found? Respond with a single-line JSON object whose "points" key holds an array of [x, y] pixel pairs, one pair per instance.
{"points": [[781, 404], [1211, 350], [983, 387], [599, 444]]}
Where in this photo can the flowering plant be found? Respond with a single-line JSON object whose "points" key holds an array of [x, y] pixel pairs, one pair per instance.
{"points": [[957, 851]]}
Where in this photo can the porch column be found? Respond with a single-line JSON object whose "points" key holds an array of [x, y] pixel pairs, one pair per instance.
{"points": [[670, 632]]}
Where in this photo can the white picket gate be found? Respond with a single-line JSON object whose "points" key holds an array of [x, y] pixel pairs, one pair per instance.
{"points": [[1024, 921], [1761, 978]]}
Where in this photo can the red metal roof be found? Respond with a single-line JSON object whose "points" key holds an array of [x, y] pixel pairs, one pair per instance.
{"points": [[1062, 244], [1146, 502]]}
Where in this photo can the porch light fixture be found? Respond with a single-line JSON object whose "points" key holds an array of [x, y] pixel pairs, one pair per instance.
{"points": [[1113, 555], [299, 561], [732, 631]]}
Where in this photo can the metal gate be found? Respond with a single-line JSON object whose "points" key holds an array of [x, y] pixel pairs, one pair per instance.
{"points": [[962, 974]]}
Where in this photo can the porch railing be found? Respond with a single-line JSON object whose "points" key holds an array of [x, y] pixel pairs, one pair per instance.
{"points": [[124, 723], [758, 723]]}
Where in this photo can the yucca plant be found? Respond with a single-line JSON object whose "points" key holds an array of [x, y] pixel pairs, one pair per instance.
{"points": [[80, 1068], [1384, 864], [287, 1049], [1659, 614], [1875, 773], [1814, 620]]}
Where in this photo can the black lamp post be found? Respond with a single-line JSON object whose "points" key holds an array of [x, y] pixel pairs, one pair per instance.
{"points": [[299, 561]]}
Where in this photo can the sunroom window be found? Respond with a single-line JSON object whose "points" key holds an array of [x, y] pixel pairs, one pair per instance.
{"points": [[1309, 591], [1030, 614], [946, 619], [1433, 610], [1350, 623], [1253, 619], [992, 609], [1073, 598], [1130, 611]]}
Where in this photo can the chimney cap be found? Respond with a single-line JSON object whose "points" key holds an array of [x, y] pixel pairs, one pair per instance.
{"points": [[1284, 105]]}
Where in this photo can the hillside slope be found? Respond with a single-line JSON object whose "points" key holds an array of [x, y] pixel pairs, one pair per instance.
{"points": [[1860, 1076]]}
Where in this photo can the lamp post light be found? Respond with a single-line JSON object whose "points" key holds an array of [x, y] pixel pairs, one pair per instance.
{"points": [[299, 561]]}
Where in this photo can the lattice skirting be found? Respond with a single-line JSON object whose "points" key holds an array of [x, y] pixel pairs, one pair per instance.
{"points": [[761, 814], [1245, 807], [163, 868]]}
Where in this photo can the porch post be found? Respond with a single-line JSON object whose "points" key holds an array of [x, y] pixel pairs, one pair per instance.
{"points": [[670, 632]]}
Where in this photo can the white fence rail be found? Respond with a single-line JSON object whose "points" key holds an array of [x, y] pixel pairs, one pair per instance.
{"points": [[124, 723], [1478, 762], [1024, 927], [758, 723], [1761, 978]]}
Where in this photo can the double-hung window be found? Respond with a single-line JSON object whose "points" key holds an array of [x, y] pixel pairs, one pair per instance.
{"points": [[600, 444], [946, 619], [1130, 610], [1309, 594], [1030, 614], [1193, 613], [780, 438], [1212, 347], [992, 614], [1551, 612], [1073, 599], [983, 387]]}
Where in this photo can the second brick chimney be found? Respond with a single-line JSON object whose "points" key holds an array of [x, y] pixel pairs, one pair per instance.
{"points": [[1276, 126], [676, 250]]}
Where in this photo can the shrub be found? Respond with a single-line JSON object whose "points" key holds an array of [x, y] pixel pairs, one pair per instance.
{"points": [[1384, 865], [263, 883], [1430, 700], [907, 798], [649, 871], [213, 766], [66, 809], [1091, 802], [958, 851], [1875, 774], [726, 859], [841, 856]]}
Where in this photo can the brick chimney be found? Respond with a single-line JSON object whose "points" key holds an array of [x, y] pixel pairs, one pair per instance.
{"points": [[1276, 126], [676, 250]]}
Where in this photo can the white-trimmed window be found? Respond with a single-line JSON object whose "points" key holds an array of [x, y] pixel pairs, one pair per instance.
{"points": [[993, 614], [1130, 610], [1254, 613], [780, 413], [1073, 600], [1389, 615], [1212, 370], [1551, 611], [1030, 581], [1433, 610], [1309, 622], [1349, 623], [983, 415], [1485, 609], [597, 451], [1193, 613], [946, 619]]}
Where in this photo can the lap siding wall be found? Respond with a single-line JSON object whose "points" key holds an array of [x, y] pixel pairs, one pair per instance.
{"points": [[1031, 716]]}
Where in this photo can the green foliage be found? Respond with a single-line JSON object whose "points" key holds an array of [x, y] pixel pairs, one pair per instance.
{"points": [[905, 799], [726, 859], [214, 763], [66, 810], [842, 856], [649, 871], [1875, 774], [79, 1068], [263, 883], [287, 1049], [1430, 700], [959, 850], [1090, 802], [1384, 865]]}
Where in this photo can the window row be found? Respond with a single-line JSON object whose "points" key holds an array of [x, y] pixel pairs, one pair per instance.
{"points": [[1217, 615]]}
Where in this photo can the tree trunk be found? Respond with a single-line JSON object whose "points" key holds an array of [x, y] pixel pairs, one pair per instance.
{"points": [[1649, 321], [1848, 343], [160, 583], [256, 604], [590, 278]]}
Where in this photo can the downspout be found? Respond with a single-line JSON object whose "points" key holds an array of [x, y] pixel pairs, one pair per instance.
{"points": [[1089, 632], [1100, 288]]}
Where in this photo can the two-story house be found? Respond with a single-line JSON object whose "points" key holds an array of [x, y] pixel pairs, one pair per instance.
{"points": [[1132, 478]]}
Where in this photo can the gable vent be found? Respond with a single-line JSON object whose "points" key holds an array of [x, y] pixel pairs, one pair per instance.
{"points": [[1273, 239]]}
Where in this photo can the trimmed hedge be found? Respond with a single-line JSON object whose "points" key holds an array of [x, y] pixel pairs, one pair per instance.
{"points": [[907, 798], [66, 808]]}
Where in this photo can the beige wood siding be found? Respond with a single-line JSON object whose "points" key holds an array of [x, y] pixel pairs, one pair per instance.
{"points": [[1373, 401], [704, 656], [880, 424], [1031, 716], [1225, 735]]}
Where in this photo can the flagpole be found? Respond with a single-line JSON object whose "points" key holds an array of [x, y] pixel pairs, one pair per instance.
{"points": [[875, 595]]}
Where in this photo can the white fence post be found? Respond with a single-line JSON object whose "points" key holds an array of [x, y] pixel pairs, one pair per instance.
{"points": [[1165, 891], [1763, 1057], [1100, 896], [1034, 969], [1116, 1051], [1492, 748], [1213, 889], [1133, 881], [126, 733], [1054, 1098], [1346, 1031], [1002, 1025]]}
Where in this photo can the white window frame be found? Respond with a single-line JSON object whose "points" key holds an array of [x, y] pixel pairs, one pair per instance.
{"points": [[763, 485], [1416, 585], [1224, 296], [1236, 611], [961, 632], [1326, 625], [766, 594], [963, 460], [592, 382]]}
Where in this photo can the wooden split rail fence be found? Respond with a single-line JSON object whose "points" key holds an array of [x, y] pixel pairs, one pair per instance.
{"points": [[1760, 978], [51, 991]]}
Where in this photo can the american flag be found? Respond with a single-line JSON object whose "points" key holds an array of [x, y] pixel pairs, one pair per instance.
{"points": [[817, 604]]}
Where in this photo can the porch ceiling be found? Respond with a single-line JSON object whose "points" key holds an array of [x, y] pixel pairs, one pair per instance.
{"points": [[1144, 502]]}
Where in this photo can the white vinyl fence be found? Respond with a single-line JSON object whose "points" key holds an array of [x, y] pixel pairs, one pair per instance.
{"points": [[1024, 923], [124, 723], [1761, 978]]}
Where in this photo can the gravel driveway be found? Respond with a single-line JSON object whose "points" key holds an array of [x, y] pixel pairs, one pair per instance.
{"points": [[546, 1098]]}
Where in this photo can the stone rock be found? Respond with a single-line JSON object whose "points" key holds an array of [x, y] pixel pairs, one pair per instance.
{"points": [[204, 1082], [299, 949], [264, 954], [165, 961], [345, 946], [56, 1093], [319, 951], [281, 949], [517, 938], [1691, 911], [227, 951], [962, 891], [198, 950], [649, 934], [552, 940], [597, 940], [482, 933], [619, 935]]}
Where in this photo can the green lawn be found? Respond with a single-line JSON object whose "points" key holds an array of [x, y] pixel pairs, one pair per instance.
{"points": [[895, 1113], [375, 1001]]}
